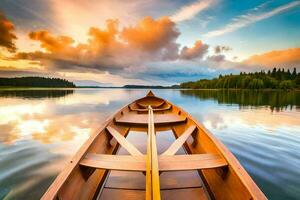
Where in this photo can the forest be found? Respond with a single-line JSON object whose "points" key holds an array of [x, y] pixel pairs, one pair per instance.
{"points": [[35, 82], [275, 79]]}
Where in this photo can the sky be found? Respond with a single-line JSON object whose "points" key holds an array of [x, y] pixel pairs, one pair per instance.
{"points": [[148, 42]]}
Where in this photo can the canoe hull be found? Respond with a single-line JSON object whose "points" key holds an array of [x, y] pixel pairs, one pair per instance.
{"points": [[80, 182]]}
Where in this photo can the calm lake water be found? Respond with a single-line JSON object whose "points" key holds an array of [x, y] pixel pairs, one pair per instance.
{"points": [[41, 129]]}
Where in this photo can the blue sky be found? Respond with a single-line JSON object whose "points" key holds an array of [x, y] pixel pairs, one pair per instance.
{"points": [[154, 42]]}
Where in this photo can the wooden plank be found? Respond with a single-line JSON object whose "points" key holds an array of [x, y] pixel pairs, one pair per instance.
{"points": [[185, 193], [114, 162], [179, 142], [142, 119], [117, 194], [154, 159], [123, 142], [164, 163], [191, 162]]}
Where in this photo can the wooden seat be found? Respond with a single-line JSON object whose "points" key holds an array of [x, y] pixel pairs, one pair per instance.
{"points": [[165, 163], [168, 107], [114, 162], [190, 162], [142, 119]]}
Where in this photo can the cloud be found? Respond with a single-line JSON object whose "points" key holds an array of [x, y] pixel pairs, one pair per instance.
{"points": [[220, 49], [113, 49], [151, 35], [51, 43], [216, 58], [7, 37], [197, 51], [108, 49], [172, 72], [251, 17], [190, 11], [280, 58]]}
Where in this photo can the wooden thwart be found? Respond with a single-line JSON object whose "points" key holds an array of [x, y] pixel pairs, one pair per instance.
{"points": [[165, 163], [191, 162], [114, 162], [168, 107], [142, 119]]}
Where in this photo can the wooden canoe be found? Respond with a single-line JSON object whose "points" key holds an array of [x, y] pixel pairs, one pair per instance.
{"points": [[195, 165]]}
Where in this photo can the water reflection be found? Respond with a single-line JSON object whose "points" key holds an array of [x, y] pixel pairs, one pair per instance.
{"points": [[275, 100], [51, 120], [40, 130]]}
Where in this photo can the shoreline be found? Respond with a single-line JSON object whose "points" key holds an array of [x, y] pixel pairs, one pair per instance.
{"points": [[73, 88]]}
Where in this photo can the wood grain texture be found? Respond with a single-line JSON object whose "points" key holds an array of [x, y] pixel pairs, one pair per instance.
{"points": [[168, 180], [179, 141], [149, 163], [154, 102], [123, 142], [114, 162], [181, 194], [154, 158], [163, 108], [220, 171], [142, 119], [191, 162]]}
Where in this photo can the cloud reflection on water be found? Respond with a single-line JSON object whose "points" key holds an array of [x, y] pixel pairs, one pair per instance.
{"points": [[38, 135]]}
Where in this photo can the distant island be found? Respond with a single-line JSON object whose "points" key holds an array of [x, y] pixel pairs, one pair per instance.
{"points": [[35, 82], [275, 79]]}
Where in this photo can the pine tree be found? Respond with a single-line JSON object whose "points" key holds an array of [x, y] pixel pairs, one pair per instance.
{"points": [[294, 74]]}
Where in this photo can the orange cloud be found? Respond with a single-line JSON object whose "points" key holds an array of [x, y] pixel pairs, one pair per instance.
{"points": [[151, 35], [7, 36], [279, 58], [109, 48], [197, 51], [51, 43]]}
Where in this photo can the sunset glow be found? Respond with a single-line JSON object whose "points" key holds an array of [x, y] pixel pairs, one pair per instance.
{"points": [[114, 43]]}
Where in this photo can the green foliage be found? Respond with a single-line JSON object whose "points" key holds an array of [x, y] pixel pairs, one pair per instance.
{"points": [[35, 82], [288, 84], [275, 79]]}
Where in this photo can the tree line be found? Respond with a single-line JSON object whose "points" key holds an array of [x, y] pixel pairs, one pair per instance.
{"points": [[275, 79], [35, 82]]}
